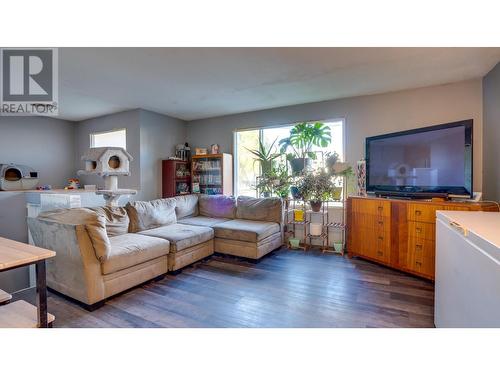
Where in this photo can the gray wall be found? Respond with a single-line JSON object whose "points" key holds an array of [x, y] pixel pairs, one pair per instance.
{"points": [[150, 138], [123, 120], [159, 136], [45, 144], [364, 116], [491, 133]]}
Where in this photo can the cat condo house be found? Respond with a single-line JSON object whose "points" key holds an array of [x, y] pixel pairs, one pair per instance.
{"points": [[109, 163], [17, 177]]}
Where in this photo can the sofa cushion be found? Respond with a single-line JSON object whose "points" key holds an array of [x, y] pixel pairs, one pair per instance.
{"points": [[94, 223], [217, 206], [186, 205], [181, 236], [246, 230], [202, 221], [117, 221], [260, 209], [152, 214], [131, 249]]}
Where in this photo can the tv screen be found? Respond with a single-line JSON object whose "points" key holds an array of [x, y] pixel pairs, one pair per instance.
{"points": [[436, 159]]}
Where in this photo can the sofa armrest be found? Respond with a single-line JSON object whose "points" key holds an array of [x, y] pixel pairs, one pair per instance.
{"points": [[75, 270]]}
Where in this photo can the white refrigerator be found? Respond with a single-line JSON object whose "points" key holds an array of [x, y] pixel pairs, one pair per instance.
{"points": [[467, 286]]}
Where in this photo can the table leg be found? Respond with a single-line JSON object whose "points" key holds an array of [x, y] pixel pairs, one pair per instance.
{"points": [[41, 294]]}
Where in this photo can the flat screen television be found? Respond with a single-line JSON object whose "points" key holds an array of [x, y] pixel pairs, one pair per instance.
{"points": [[430, 161]]}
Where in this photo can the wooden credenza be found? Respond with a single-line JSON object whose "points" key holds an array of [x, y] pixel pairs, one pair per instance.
{"points": [[399, 233]]}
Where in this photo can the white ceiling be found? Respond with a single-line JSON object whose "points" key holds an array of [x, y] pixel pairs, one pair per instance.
{"points": [[195, 83]]}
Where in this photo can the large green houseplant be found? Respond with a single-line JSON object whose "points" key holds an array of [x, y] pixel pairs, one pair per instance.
{"points": [[302, 138]]}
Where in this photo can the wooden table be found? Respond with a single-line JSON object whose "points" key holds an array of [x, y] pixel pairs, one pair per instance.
{"points": [[15, 254]]}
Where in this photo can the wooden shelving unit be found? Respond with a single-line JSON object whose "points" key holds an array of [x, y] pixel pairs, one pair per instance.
{"points": [[212, 174], [176, 178]]}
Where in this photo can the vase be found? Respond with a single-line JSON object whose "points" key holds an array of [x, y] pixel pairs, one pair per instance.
{"points": [[294, 242], [316, 205], [315, 229], [336, 193], [295, 192], [299, 164], [298, 215], [338, 246]]}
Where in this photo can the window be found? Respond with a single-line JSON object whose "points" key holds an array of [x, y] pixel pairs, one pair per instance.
{"points": [[247, 169], [112, 138]]}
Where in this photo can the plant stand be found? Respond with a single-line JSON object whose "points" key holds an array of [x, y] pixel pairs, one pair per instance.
{"points": [[291, 229], [329, 223]]}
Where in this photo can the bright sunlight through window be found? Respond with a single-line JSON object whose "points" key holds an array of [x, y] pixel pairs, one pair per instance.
{"points": [[247, 169], [113, 138]]}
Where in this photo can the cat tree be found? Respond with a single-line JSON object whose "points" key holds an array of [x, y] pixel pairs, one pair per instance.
{"points": [[109, 163]]}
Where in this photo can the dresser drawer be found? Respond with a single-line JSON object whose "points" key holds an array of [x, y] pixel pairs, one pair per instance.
{"points": [[375, 207], [373, 222], [425, 213], [421, 230], [381, 247], [421, 256], [382, 254]]}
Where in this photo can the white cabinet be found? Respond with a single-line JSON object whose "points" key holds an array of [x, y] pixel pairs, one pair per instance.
{"points": [[467, 269]]}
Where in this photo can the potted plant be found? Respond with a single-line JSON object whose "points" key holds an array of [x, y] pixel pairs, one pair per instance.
{"points": [[265, 156], [264, 185], [316, 188], [302, 138], [276, 181], [337, 169], [282, 182]]}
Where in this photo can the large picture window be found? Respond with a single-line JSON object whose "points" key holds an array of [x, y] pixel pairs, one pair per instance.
{"points": [[247, 169]]}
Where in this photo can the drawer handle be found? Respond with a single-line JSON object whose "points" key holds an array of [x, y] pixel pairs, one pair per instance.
{"points": [[418, 212], [418, 263], [380, 222], [418, 247], [380, 253], [418, 230], [380, 238], [380, 208]]}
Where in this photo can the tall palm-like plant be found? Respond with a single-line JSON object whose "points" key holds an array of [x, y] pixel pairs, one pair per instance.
{"points": [[265, 156]]}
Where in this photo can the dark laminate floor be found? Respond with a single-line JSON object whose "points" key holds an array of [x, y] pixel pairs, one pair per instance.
{"points": [[286, 289]]}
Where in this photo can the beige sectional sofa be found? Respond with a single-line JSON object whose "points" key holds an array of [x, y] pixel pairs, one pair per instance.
{"points": [[103, 251]]}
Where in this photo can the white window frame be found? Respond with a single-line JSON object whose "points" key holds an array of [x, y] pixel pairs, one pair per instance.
{"points": [[92, 140], [342, 120]]}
